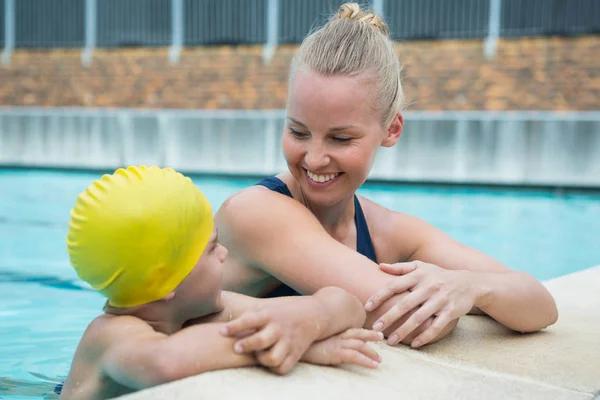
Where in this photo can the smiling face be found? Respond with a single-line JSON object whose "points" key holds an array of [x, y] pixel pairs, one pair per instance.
{"points": [[332, 135]]}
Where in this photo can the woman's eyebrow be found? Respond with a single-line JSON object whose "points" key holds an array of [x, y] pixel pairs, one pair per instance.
{"points": [[334, 129]]}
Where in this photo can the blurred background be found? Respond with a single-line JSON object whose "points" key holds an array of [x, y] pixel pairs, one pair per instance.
{"points": [[501, 144], [498, 91]]}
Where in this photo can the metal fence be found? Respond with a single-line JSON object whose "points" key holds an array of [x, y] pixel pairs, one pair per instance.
{"points": [[62, 23], [549, 17], [43, 24], [210, 22], [133, 23], [437, 19]]}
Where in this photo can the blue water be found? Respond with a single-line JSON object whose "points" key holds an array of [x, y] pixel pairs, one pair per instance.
{"points": [[44, 309]]}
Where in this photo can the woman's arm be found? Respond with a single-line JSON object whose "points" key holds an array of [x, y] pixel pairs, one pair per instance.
{"points": [[281, 237], [331, 309], [515, 299]]}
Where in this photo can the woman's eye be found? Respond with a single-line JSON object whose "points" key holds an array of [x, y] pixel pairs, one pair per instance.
{"points": [[298, 134], [342, 139]]}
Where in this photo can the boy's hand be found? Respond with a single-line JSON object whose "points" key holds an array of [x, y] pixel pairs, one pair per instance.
{"points": [[349, 347], [279, 333]]}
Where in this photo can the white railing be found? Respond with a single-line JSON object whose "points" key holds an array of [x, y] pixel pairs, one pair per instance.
{"points": [[530, 148]]}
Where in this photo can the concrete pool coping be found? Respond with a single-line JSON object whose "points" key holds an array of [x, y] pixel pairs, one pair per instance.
{"points": [[480, 359]]}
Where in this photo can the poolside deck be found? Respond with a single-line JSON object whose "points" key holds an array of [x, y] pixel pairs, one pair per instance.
{"points": [[479, 360]]}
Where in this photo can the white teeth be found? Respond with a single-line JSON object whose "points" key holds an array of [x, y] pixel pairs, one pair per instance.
{"points": [[321, 178]]}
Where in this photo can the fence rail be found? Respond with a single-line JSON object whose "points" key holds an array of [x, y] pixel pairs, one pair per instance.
{"points": [[61, 23], [520, 148]]}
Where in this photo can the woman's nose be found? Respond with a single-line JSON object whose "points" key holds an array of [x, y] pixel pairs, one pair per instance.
{"points": [[316, 157]]}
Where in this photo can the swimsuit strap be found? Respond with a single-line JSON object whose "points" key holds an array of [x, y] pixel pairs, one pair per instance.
{"points": [[364, 244], [276, 185]]}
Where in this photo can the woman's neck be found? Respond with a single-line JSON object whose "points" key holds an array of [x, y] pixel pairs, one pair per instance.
{"points": [[337, 218]]}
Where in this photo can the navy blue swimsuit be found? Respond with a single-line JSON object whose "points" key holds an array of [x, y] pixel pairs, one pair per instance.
{"points": [[364, 244]]}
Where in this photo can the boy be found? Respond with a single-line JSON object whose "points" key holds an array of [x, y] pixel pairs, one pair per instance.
{"points": [[144, 238]]}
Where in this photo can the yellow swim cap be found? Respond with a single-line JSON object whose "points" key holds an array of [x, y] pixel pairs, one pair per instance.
{"points": [[136, 234]]}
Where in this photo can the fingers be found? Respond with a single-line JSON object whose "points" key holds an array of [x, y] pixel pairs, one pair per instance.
{"points": [[362, 347], [273, 357], [404, 306], [366, 335], [416, 320], [359, 353], [402, 268], [261, 340], [412, 336], [394, 286], [433, 331], [279, 359], [248, 321], [286, 366]]}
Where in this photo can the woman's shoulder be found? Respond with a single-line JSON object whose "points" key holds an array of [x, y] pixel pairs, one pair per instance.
{"points": [[258, 199], [393, 232], [258, 207], [384, 219]]}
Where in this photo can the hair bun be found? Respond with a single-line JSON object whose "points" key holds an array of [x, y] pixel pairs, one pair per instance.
{"points": [[353, 12]]}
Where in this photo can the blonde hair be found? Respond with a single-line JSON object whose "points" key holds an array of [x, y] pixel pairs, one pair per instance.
{"points": [[356, 43]]}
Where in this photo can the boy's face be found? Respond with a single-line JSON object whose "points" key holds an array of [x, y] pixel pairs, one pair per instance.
{"points": [[202, 287]]}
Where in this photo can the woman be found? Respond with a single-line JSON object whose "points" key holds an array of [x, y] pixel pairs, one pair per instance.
{"points": [[306, 228]]}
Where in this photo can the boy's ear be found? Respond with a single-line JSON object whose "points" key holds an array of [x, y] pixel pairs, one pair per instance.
{"points": [[170, 296], [393, 131]]}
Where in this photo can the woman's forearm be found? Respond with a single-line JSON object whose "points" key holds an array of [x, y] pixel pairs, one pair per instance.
{"points": [[339, 311], [515, 299]]}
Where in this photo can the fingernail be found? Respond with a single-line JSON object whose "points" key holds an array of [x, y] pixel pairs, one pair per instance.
{"points": [[375, 364], [223, 330], [378, 325], [416, 343], [238, 348], [369, 305], [380, 334], [393, 339]]}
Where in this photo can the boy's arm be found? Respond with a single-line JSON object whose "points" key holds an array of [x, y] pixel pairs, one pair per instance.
{"points": [[139, 357], [329, 311], [283, 328], [234, 305]]}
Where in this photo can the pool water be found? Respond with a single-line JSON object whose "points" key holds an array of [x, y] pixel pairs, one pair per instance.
{"points": [[44, 309]]}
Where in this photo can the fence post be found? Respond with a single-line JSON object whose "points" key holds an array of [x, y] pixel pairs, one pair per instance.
{"points": [[378, 7], [90, 32], [9, 30], [272, 29], [491, 41], [176, 30]]}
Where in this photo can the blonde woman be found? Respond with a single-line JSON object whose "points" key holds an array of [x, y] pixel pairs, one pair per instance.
{"points": [[306, 228]]}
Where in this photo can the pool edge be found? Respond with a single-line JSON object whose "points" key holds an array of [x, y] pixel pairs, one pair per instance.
{"points": [[480, 359]]}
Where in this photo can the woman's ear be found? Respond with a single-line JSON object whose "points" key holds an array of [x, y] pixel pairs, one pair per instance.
{"points": [[394, 131]]}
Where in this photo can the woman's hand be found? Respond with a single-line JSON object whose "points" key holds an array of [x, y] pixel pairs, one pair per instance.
{"points": [[445, 295]]}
